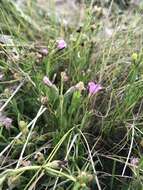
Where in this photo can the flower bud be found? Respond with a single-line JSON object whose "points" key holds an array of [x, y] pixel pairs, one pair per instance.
{"points": [[44, 51], [134, 56], [80, 86], [64, 76], [61, 44], [47, 81], [85, 178], [23, 127]]}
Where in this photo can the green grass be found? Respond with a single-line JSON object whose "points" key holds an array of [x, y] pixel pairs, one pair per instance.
{"points": [[62, 140]]}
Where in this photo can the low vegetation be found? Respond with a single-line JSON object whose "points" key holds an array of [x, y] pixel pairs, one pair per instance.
{"points": [[71, 98]]}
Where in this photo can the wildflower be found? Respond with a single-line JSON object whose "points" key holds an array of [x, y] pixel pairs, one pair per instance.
{"points": [[44, 51], [61, 44], [134, 161], [47, 81], [53, 87], [94, 88], [6, 121]]}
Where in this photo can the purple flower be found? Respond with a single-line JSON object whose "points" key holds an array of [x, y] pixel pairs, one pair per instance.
{"points": [[47, 81], [44, 51], [61, 44], [134, 161], [6, 121], [94, 88]]}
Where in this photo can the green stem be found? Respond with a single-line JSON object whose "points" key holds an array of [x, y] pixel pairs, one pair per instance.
{"points": [[61, 103], [46, 167]]}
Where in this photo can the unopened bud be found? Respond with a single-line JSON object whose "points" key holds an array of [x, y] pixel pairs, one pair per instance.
{"points": [[47, 81], [64, 76], [80, 86], [134, 56]]}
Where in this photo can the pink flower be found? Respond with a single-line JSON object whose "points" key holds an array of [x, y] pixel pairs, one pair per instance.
{"points": [[94, 88], [6, 121], [61, 44], [64, 76], [47, 81], [44, 51], [134, 161]]}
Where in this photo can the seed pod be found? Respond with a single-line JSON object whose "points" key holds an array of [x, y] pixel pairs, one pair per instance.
{"points": [[134, 56], [39, 157], [84, 178], [23, 127]]}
